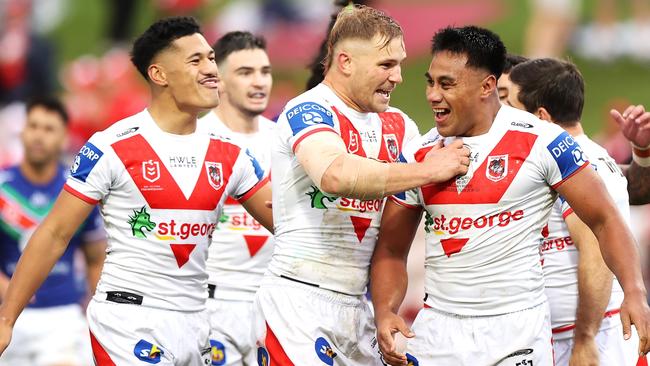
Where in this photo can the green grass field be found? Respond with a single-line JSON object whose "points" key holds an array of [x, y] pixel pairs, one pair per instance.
{"points": [[86, 23]]}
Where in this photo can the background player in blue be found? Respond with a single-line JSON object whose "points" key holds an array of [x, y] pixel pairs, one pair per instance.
{"points": [[52, 330]]}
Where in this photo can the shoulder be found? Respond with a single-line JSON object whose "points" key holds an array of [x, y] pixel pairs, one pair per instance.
{"points": [[9, 174]]}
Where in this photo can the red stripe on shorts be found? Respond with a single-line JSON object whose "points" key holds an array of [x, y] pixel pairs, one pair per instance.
{"points": [[99, 353], [276, 352]]}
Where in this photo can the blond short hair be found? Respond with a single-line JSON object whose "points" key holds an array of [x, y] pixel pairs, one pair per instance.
{"points": [[360, 22]]}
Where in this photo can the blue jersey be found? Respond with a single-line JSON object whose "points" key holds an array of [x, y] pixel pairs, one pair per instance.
{"points": [[23, 205]]}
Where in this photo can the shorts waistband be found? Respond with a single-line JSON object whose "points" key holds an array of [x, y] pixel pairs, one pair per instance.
{"points": [[566, 328], [427, 306], [312, 289]]}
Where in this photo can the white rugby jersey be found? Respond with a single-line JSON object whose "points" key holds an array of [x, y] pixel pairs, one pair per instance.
{"points": [[241, 247], [161, 196], [484, 228], [320, 239], [560, 256]]}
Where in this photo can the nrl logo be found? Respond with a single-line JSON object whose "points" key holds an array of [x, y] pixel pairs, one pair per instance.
{"points": [[151, 171], [353, 145], [215, 174], [390, 141], [497, 168]]}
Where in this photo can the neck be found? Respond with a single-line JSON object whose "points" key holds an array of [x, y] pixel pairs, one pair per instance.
{"points": [[169, 117], [39, 174], [486, 119], [237, 120], [331, 81], [575, 130]]}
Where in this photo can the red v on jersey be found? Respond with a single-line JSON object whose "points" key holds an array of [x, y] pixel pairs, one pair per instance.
{"points": [[480, 189], [350, 135], [182, 253], [453, 246], [164, 193], [255, 243], [361, 225]]}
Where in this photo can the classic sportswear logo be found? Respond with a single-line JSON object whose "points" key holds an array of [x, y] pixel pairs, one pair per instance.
{"points": [[521, 124], [147, 352], [454, 224], [126, 132]]}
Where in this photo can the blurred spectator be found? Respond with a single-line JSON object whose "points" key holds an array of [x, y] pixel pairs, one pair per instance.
{"points": [[52, 330], [553, 27], [26, 60]]}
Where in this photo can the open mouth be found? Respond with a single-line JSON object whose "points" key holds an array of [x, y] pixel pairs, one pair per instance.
{"points": [[257, 95], [385, 94], [211, 83], [441, 114]]}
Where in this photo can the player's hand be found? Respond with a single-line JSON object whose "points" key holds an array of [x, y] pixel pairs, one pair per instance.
{"points": [[5, 334], [635, 124], [584, 353], [447, 162], [635, 311], [389, 323]]}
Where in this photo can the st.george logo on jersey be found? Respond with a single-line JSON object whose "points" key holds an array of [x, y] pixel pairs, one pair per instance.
{"points": [[497, 168], [391, 146], [151, 170], [215, 174]]}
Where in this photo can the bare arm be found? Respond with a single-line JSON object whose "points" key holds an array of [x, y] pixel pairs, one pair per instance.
{"points": [[635, 126], [388, 276], [337, 172], [588, 197], [594, 292], [45, 247], [4, 283], [95, 253], [258, 207]]}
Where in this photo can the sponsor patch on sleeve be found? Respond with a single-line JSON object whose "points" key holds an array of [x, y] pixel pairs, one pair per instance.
{"points": [[567, 154], [259, 172], [308, 114], [85, 161]]}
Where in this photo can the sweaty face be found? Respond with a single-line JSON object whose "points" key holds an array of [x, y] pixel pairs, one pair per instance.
{"points": [[44, 136], [454, 93], [190, 72], [246, 80], [376, 71]]}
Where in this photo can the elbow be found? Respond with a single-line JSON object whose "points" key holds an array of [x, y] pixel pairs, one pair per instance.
{"points": [[332, 184]]}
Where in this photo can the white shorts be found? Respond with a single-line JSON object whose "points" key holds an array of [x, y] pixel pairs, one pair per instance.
{"points": [[49, 336], [612, 348], [126, 334], [298, 324], [522, 338], [231, 333]]}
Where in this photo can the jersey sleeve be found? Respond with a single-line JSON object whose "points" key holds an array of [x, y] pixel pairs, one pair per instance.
{"points": [[305, 119], [411, 198], [247, 177], [93, 228], [562, 157], [90, 174]]}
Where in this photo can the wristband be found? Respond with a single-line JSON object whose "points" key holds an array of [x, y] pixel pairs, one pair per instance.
{"points": [[641, 156]]}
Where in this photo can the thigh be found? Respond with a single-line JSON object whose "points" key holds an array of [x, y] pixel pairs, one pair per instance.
{"points": [[562, 349], [310, 327], [614, 350], [230, 331], [124, 334]]}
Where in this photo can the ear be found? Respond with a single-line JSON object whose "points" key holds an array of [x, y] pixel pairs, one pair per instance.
{"points": [[488, 86], [157, 75], [543, 114], [344, 62]]}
